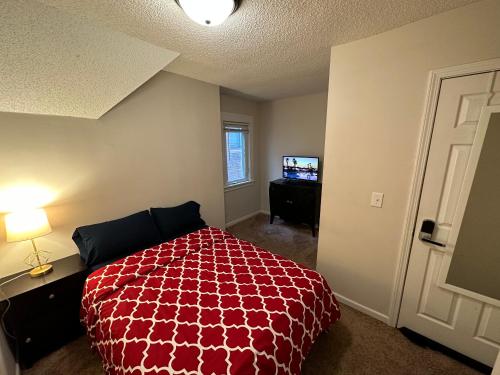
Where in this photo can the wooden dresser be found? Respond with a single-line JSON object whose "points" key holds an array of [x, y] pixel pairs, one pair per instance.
{"points": [[296, 201], [44, 312]]}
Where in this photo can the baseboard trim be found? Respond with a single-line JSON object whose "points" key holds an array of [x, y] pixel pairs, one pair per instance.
{"points": [[364, 309], [236, 221], [265, 212]]}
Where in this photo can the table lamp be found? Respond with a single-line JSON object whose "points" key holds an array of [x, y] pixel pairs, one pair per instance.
{"points": [[28, 225]]}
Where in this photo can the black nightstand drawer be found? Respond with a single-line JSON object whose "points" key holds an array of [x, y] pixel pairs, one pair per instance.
{"points": [[46, 334], [53, 297]]}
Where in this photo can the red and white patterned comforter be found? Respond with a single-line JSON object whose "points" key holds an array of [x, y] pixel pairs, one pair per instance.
{"points": [[205, 303]]}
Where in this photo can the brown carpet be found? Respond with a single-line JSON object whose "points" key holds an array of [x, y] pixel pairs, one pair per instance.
{"points": [[357, 344]]}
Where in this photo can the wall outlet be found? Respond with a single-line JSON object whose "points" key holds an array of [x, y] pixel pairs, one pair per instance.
{"points": [[377, 200]]}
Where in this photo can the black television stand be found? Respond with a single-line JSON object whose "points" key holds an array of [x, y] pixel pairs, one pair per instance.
{"points": [[296, 201]]}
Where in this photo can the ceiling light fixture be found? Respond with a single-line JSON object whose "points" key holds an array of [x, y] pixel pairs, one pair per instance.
{"points": [[209, 12]]}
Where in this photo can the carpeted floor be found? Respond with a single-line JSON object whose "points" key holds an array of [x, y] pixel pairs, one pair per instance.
{"points": [[357, 344]]}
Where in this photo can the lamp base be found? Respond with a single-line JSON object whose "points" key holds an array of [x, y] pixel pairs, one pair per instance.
{"points": [[41, 270]]}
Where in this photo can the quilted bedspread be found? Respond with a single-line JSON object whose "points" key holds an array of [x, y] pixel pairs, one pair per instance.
{"points": [[205, 303]]}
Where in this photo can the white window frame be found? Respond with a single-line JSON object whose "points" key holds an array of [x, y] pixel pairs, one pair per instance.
{"points": [[234, 118]]}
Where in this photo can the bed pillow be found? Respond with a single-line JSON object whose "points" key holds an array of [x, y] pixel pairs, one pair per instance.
{"points": [[177, 221], [117, 238]]}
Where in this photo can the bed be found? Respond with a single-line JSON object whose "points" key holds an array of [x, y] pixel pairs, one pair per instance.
{"points": [[205, 303]]}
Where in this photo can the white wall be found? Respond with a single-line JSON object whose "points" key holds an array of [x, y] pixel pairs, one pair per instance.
{"points": [[291, 126], [376, 100], [161, 146], [244, 200]]}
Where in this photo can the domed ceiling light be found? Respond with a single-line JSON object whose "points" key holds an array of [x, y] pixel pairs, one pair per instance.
{"points": [[209, 12]]}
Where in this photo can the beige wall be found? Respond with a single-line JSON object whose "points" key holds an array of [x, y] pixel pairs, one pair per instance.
{"points": [[160, 146], [292, 126], [244, 200], [377, 94]]}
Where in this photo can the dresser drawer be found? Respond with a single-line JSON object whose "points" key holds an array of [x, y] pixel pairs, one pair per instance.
{"points": [[48, 333], [52, 297], [59, 317]]}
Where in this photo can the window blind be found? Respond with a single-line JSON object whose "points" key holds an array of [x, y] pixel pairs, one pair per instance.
{"points": [[236, 127]]}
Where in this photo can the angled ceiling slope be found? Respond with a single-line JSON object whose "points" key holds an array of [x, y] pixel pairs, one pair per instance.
{"points": [[54, 63]]}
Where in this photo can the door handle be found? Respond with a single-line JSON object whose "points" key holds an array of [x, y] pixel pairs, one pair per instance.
{"points": [[426, 232]]}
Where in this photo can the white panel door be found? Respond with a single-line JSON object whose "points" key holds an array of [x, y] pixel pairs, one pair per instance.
{"points": [[462, 320]]}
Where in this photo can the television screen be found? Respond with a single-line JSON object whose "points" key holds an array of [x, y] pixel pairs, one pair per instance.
{"points": [[300, 168]]}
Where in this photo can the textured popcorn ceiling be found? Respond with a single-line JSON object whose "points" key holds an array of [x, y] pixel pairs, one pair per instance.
{"points": [[268, 48], [55, 63]]}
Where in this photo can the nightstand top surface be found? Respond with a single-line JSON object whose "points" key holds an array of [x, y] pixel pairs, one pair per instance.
{"points": [[62, 268]]}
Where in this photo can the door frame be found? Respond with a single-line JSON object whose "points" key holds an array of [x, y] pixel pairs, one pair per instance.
{"points": [[431, 103]]}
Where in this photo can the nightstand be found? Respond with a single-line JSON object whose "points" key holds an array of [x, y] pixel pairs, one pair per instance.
{"points": [[44, 312]]}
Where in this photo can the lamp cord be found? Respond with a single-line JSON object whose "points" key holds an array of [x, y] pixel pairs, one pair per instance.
{"points": [[14, 278], [4, 313]]}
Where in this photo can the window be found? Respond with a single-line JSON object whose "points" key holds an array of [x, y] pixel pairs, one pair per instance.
{"points": [[237, 152]]}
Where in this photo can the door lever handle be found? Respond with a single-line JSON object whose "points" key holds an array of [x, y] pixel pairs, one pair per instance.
{"points": [[440, 244], [426, 231]]}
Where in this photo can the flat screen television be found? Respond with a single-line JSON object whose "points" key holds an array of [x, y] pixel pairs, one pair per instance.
{"points": [[301, 168]]}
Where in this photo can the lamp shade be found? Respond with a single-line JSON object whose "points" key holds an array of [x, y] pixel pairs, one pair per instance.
{"points": [[26, 225]]}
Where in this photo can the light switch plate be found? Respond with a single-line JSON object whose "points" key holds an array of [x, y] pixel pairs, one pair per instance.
{"points": [[377, 199]]}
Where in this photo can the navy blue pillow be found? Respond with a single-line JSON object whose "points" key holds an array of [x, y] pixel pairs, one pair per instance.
{"points": [[177, 221], [117, 238]]}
